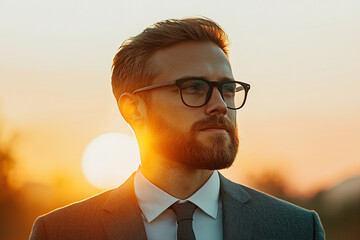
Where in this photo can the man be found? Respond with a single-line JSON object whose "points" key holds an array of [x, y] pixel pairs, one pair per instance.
{"points": [[174, 85]]}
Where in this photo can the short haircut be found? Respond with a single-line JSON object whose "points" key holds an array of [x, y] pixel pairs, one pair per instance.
{"points": [[131, 68]]}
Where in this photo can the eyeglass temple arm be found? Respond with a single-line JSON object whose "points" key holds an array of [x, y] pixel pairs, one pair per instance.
{"points": [[158, 85]]}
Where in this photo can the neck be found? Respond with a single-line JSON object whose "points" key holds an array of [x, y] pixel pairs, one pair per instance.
{"points": [[172, 177]]}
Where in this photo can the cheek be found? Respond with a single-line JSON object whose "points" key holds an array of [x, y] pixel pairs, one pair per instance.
{"points": [[182, 120], [173, 121], [173, 111]]}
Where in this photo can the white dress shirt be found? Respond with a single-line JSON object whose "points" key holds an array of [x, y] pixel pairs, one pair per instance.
{"points": [[160, 222]]}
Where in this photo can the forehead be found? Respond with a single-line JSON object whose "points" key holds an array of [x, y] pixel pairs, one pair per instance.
{"points": [[191, 59]]}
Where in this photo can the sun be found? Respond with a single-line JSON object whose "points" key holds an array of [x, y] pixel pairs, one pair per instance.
{"points": [[110, 159]]}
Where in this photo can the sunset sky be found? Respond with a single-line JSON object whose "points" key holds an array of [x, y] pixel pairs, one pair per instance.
{"points": [[302, 59]]}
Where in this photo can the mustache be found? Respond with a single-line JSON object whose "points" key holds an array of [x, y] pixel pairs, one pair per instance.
{"points": [[214, 121]]}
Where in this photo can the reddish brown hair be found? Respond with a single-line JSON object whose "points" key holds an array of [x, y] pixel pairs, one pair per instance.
{"points": [[131, 69]]}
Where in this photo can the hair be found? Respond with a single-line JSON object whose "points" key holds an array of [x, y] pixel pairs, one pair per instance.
{"points": [[131, 68]]}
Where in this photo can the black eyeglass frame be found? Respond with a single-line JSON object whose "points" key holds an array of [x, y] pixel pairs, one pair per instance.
{"points": [[211, 84]]}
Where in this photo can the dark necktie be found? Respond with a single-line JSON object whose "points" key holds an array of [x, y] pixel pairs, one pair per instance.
{"points": [[184, 214]]}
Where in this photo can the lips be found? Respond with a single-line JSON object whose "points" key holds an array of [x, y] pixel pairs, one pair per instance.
{"points": [[215, 128], [214, 124]]}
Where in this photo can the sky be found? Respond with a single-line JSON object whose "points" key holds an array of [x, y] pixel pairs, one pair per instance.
{"points": [[301, 58]]}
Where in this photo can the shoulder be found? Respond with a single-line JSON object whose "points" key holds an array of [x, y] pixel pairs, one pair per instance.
{"points": [[93, 205], [266, 200], [258, 199], [81, 209], [83, 218], [79, 218], [270, 216]]}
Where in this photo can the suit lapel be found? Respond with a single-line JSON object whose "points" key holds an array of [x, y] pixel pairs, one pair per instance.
{"points": [[122, 216], [237, 220]]}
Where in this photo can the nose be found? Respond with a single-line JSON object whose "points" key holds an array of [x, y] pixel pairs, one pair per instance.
{"points": [[216, 104]]}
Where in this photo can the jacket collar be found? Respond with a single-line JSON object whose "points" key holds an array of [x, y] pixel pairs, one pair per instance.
{"points": [[237, 221]]}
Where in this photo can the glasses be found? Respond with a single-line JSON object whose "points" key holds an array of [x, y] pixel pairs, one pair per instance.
{"points": [[197, 92]]}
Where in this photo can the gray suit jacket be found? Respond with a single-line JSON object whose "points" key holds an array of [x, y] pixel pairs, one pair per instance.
{"points": [[115, 214]]}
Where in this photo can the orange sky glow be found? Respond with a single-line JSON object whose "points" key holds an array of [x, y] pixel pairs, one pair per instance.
{"points": [[302, 59]]}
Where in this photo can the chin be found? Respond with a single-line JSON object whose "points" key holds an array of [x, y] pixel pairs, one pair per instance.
{"points": [[217, 152]]}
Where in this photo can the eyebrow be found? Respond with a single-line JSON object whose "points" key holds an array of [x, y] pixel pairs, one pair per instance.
{"points": [[223, 79]]}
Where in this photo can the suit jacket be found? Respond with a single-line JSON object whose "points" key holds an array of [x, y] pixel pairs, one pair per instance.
{"points": [[115, 214]]}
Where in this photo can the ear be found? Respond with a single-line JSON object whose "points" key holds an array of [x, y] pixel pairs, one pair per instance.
{"points": [[132, 108]]}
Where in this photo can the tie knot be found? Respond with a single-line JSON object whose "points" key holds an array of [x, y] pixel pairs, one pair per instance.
{"points": [[183, 211]]}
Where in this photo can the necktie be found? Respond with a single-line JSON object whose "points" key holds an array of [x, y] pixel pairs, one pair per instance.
{"points": [[184, 214]]}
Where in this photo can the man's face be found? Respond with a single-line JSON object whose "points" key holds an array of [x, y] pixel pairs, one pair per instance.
{"points": [[200, 138]]}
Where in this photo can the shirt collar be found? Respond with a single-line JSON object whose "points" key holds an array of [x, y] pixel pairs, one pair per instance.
{"points": [[153, 201], [207, 197]]}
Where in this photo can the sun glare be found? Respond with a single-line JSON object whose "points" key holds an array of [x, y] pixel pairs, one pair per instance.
{"points": [[110, 159]]}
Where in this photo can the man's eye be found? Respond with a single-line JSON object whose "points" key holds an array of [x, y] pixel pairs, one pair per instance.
{"points": [[191, 87], [229, 89]]}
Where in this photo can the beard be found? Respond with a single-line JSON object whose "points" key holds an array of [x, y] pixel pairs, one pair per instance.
{"points": [[184, 148]]}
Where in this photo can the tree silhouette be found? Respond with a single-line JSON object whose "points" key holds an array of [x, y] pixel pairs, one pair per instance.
{"points": [[271, 182], [10, 203], [7, 162]]}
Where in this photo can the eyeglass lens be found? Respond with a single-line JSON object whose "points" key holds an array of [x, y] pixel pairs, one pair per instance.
{"points": [[194, 93]]}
